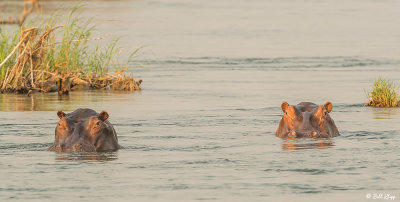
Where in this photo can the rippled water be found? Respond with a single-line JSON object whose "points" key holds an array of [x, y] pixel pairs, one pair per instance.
{"points": [[203, 126]]}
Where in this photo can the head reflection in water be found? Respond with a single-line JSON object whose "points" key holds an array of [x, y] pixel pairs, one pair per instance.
{"points": [[291, 145], [87, 156]]}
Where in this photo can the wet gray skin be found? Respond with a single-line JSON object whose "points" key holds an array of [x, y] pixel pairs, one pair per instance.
{"points": [[307, 119], [84, 130]]}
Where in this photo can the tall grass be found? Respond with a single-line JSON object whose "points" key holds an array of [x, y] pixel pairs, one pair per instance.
{"points": [[73, 52], [67, 49], [7, 43], [383, 94]]}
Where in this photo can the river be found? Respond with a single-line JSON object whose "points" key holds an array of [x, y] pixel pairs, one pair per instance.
{"points": [[203, 127]]}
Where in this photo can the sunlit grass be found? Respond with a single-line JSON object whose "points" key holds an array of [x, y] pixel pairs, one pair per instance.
{"points": [[63, 50], [73, 52], [7, 43], [383, 94]]}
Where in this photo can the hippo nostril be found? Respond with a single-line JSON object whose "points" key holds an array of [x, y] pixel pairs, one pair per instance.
{"points": [[314, 134], [293, 134]]}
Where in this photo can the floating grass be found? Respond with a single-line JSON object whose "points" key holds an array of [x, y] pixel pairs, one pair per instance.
{"points": [[383, 94]]}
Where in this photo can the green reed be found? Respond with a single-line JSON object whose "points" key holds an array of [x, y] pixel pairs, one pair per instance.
{"points": [[7, 44], [71, 48]]}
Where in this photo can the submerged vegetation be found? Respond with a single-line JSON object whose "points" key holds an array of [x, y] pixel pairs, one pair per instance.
{"points": [[52, 58], [383, 94]]}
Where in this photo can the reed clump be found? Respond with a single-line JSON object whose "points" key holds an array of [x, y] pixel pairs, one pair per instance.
{"points": [[32, 59], [383, 94]]}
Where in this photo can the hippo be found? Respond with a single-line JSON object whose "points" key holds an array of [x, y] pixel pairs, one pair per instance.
{"points": [[306, 119], [84, 130]]}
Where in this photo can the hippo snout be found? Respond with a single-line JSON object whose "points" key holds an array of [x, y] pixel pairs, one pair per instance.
{"points": [[83, 148], [79, 147], [312, 133]]}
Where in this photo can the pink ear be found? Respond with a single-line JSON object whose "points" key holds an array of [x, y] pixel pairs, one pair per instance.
{"points": [[284, 106], [61, 114], [328, 106], [103, 115]]}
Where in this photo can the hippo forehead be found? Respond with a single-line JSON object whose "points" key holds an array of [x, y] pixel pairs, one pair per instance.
{"points": [[74, 122], [79, 117], [306, 107], [71, 120], [81, 114]]}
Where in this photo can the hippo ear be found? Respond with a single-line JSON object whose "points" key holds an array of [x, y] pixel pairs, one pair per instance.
{"points": [[61, 114], [284, 106], [328, 106], [103, 115]]}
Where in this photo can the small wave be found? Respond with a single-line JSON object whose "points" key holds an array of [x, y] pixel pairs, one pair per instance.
{"points": [[87, 156], [311, 171], [279, 62], [30, 146], [184, 149], [369, 134], [211, 161]]}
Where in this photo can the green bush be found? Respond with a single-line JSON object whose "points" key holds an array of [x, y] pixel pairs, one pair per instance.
{"points": [[383, 94]]}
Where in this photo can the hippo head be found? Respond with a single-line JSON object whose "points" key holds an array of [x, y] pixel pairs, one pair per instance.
{"points": [[84, 130], [306, 119]]}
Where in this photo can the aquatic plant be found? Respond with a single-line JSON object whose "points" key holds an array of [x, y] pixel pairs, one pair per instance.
{"points": [[383, 94], [32, 61]]}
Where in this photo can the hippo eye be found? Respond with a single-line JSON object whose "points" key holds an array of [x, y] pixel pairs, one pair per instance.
{"points": [[98, 123]]}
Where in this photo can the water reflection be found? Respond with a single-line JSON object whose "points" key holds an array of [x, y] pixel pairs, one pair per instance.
{"points": [[87, 156], [53, 102], [295, 144], [385, 113], [63, 96]]}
